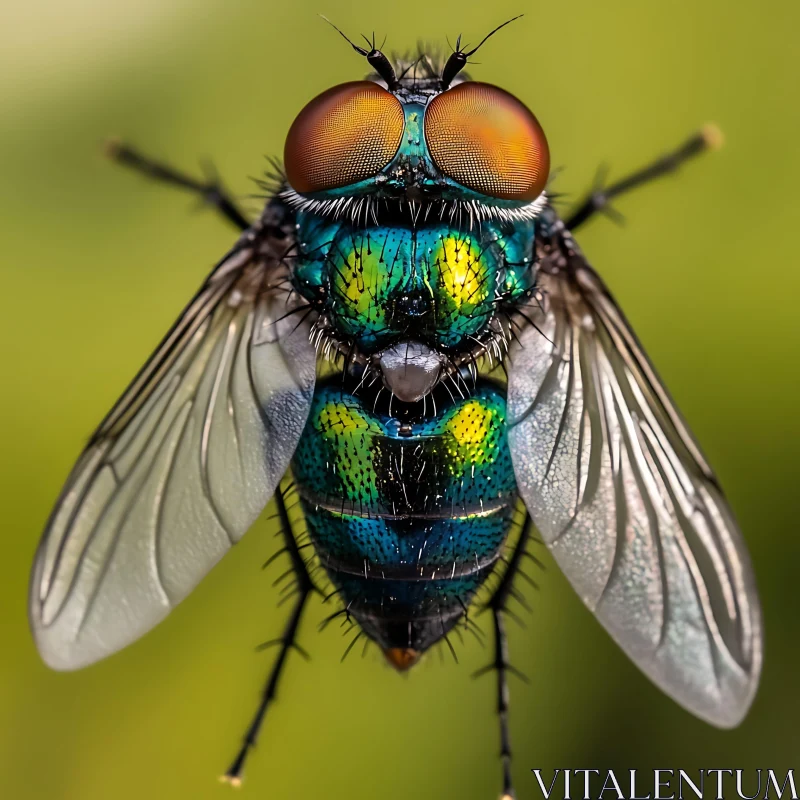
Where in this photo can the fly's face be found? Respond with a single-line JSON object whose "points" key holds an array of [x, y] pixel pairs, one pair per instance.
{"points": [[418, 143], [416, 209]]}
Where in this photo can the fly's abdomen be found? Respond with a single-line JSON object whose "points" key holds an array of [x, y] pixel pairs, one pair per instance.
{"points": [[408, 515]]}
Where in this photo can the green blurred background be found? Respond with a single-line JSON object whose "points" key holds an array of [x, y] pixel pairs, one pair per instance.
{"points": [[97, 263]]}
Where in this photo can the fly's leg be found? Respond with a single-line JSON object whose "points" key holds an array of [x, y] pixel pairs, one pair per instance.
{"points": [[599, 199], [288, 641], [210, 191], [500, 665]]}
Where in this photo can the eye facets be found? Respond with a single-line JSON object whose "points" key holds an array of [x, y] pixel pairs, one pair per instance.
{"points": [[344, 135], [487, 140]]}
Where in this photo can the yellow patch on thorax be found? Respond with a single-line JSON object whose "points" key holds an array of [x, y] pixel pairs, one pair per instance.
{"points": [[461, 272]]}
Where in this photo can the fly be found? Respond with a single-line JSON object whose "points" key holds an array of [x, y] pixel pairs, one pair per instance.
{"points": [[348, 342]]}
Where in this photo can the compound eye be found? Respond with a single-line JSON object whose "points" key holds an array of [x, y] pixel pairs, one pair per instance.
{"points": [[346, 134], [485, 139]]}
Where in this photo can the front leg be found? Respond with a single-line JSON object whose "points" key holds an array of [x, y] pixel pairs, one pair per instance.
{"points": [[211, 191], [708, 138]]}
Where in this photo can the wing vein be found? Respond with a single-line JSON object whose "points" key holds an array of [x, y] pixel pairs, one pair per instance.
{"points": [[125, 515], [623, 495]]}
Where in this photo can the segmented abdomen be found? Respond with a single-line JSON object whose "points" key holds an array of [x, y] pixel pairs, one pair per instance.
{"points": [[408, 516]]}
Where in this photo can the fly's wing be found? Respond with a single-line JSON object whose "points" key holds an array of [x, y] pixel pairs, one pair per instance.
{"points": [[624, 498], [180, 468]]}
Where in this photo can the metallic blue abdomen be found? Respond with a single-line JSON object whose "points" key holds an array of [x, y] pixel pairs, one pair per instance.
{"points": [[408, 516]]}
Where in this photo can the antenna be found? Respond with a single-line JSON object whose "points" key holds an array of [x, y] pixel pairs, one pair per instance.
{"points": [[376, 58], [458, 59]]}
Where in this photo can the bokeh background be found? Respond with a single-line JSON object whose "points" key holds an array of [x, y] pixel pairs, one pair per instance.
{"points": [[97, 262]]}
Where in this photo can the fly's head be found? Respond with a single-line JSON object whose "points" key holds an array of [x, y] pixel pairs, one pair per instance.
{"points": [[416, 198]]}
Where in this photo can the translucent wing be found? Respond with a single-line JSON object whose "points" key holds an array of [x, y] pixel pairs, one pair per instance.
{"points": [[624, 498], [180, 468]]}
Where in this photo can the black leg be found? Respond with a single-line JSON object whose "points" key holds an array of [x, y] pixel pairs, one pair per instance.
{"points": [[500, 665], [708, 138], [287, 642], [211, 191]]}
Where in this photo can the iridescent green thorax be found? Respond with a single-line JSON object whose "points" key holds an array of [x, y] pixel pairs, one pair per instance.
{"points": [[436, 282]]}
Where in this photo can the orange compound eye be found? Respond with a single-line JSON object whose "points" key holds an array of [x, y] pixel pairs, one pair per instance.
{"points": [[344, 135], [487, 140]]}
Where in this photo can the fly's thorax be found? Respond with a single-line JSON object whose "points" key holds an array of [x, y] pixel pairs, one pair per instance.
{"points": [[435, 283]]}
